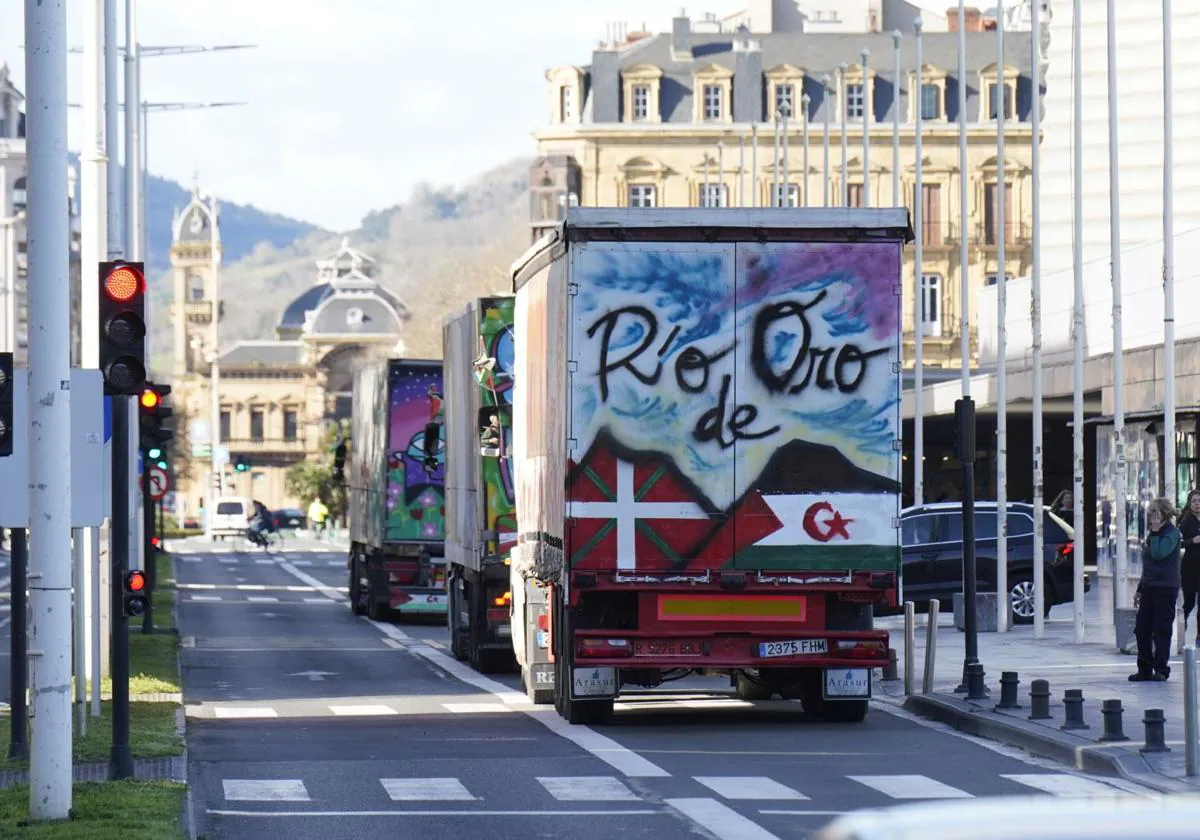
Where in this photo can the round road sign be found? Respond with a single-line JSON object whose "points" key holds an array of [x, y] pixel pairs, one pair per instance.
{"points": [[158, 483]]}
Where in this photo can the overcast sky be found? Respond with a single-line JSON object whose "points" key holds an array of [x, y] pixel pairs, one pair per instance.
{"points": [[352, 102]]}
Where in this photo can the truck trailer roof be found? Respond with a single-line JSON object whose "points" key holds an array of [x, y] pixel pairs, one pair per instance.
{"points": [[720, 224]]}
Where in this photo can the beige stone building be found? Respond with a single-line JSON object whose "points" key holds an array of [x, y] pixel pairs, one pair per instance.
{"points": [[686, 119], [278, 396]]}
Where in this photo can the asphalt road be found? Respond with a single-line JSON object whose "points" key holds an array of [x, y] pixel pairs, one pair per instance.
{"points": [[306, 722]]}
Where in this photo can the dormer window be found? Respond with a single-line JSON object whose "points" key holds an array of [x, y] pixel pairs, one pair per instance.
{"points": [[785, 84], [712, 102], [785, 96], [640, 88], [994, 101], [713, 88], [566, 103], [640, 104], [854, 102], [931, 102], [564, 94], [993, 80]]}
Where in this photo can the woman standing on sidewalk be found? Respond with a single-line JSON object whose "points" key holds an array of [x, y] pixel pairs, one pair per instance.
{"points": [[1159, 590], [1189, 529]]}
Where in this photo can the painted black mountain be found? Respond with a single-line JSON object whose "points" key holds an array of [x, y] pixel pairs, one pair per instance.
{"points": [[803, 467]]}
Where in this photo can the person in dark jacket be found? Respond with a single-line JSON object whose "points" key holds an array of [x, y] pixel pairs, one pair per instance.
{"points": [[1159, 590], [1189, 530]]}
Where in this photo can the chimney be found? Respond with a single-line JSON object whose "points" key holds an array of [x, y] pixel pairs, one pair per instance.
{"points": [[747, 80], [972, 19], [681, 43], [606, 85]]}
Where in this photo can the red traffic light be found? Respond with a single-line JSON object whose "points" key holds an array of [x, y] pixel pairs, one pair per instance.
{"points": [[150, 398], [123, 284], [135, 581]]}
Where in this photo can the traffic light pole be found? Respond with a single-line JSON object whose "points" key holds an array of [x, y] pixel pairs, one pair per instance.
{"points": [[121, 757], [148, 543], [18, 742]]}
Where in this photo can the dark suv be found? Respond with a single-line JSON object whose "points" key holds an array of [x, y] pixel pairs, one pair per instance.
{"points": [[933, 555]]}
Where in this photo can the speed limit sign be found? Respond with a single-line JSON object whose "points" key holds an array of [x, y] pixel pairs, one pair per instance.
{"points": [[157, 479]]}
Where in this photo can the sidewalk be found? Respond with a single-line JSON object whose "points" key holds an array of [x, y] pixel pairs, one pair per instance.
{"points": [[1095, 667]]}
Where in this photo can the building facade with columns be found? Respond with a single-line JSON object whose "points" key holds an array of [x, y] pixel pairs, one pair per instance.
{"points": [[278, 397], [686, 119]]}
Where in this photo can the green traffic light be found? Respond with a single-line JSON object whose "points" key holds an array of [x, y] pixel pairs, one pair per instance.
{"points": [[162, 465], [155, 453]]}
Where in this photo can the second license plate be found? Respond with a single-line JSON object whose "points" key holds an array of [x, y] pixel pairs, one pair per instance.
{"points": [[667, 648], [793, 647]]}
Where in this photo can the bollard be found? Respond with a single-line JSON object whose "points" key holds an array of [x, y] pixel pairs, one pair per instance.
{"points": [[975, 687], [1073, 716], [931, 629], [910, 642], [1191, 748], [1113, 728], [889, 670], [1039, 700], [1008, 691], [1156, 742]]}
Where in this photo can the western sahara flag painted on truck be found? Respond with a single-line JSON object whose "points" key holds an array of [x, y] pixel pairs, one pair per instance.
{"points": [[735, 405]]}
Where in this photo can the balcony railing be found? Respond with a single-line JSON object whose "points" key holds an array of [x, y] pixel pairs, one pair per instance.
{"points": [[1016, 234], [938, 234], [265, 444]]}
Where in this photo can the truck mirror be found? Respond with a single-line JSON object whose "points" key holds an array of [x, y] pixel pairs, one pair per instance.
{"points": [[433, 433], [491, 432]]}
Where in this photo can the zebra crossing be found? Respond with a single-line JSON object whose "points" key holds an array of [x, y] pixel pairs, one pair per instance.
{"points": [[600, 789], [258, 558], [218, 593]]}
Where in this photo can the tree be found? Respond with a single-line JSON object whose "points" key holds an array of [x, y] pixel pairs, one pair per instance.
{"points": [[313, 478]]}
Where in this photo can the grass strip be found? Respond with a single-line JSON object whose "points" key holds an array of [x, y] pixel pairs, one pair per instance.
{"points": [[102, 811]]}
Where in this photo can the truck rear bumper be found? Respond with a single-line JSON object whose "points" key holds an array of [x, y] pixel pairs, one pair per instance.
{"points": [[717, 651], [418, 600]]}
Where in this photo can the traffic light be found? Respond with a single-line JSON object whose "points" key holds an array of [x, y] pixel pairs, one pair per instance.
{"points": [[123, 326], [6, 404], [135, 594], [153, 433], [339, 461], [241, 463]]}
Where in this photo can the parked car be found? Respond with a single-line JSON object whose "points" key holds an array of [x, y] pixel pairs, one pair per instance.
{"points": [[232, 516], [933, 555], [290, 518]]}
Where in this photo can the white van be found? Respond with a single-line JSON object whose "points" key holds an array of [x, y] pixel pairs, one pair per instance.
{"points": [[232, 515]]}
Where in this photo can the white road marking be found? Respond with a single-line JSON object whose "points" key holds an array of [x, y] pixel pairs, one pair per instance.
{"points": [[262, 599], [247, 712], [796, 813], [1063, 784], [720, 820], [587, 789], [604, 748], [301, 562], [205, 598], [476, 708], [425, 790], [911, 787], [330, 592], [265, 790], [392, 643], [264, 561], [228, 561], [748, 787], [362, 711], [315, 600]]}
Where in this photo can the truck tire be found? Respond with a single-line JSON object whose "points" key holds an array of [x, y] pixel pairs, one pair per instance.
{"points": [[458, 645], [835, 711], [355, 587], [579, 712], [484, 660], [747, 689]]}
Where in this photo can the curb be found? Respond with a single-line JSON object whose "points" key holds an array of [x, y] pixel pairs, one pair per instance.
{"points": [[188, 817], [1073, 750]]}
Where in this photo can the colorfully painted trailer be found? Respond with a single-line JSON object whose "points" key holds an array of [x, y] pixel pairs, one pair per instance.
{"points": [[706, 436], [396, 495], [481, 524]]}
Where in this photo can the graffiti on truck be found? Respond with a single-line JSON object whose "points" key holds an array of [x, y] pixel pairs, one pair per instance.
{"points": [[735, 405], [416, 506], [496, 382]]}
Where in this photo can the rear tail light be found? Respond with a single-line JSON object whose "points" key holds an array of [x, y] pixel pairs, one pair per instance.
{"points": [[861, 649], [502, 600], [604, 648], [1066, 549], [499, 616], [543, 622]]}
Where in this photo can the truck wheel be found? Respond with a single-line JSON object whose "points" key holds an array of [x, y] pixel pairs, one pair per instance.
{"points": [[355, 587], [747, 689], [458, 645], [484, 660], [579, 712]]}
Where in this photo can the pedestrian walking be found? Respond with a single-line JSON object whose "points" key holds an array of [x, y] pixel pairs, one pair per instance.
{"points": [[1189, 530], [1159, 591]]}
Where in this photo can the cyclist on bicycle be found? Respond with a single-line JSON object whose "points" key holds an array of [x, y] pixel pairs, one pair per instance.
{"points": [[260, 525]]}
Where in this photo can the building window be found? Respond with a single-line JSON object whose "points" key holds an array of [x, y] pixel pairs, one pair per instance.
{"points": [[195, 288], [991, 214], [787, 195], [290, 424], [642, 195], [566, 103], [256, 424], [931, 304], [712, 102], [931, 102], [641, 102], [931, 215], [854, 102], [994, 101], [785, 97], [854, 195], [225, 424], [712, 195], [993, 279]]}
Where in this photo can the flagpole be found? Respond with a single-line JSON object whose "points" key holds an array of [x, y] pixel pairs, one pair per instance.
{"points": [[804, 101], [721, 197], [775, 158], [896, 202], [919, 291], [843, 107], [1168, 259], [1118, 350], [1035, 312], [825, 102], [1077, 312], [785, 199], [1003, 605]]}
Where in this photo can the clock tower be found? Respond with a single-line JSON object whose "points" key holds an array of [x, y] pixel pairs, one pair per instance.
{"points": [[195, 252]]}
